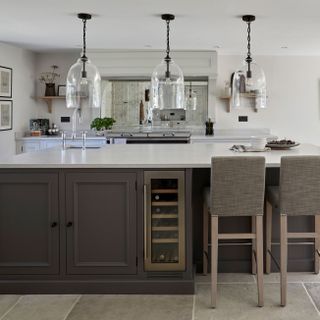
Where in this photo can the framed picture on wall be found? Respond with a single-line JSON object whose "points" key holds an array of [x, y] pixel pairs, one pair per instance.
{"points": [[5, 82], [62, 90], [5, 115]]}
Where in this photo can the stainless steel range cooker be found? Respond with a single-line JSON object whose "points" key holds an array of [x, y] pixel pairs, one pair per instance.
{"points": [[148, 137]]}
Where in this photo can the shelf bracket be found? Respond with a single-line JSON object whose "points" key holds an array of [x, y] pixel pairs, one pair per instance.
{"points": [[49, 104]]}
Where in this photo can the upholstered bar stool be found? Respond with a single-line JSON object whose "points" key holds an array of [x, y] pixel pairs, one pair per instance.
{"points": [[297, 195], [205, 227], [237, 189]]}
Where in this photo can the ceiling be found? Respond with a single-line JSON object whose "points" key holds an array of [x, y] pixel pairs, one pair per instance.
{"points": [[43, 25]]}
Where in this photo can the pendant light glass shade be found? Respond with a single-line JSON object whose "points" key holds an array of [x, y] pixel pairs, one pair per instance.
{"points": [[83, 79], [253, 87], [168, 92], [249, 80], [167, 81], [191, 99], [79, 86]]}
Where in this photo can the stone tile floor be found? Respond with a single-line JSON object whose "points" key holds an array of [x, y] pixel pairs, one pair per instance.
{"points": [[237, 296]]}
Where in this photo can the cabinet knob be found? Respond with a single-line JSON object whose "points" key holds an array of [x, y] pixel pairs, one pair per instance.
{"points": [[53, 224], [69, 224]]}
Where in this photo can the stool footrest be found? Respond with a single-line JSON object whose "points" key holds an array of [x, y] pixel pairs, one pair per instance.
{"points": [[301, 235], [309, 243], [236, 236]]}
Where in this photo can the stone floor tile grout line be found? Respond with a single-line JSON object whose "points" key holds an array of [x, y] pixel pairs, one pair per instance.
{"points": [[313, 303], [193, 307], [72, 307], [11, 308]]}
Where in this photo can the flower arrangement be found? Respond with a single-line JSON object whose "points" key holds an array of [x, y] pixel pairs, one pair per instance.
{"points": [[49, 77]]}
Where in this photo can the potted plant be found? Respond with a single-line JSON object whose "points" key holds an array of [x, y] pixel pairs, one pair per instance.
{"points": [[101, 124], [48, 79]]}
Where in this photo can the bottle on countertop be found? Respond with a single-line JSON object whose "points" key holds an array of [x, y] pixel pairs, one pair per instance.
{"points": [[209, 128]]}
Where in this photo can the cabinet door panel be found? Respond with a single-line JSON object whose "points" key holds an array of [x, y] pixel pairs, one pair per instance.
{"points": [[29, 243], [31, 146], [102, 210]]}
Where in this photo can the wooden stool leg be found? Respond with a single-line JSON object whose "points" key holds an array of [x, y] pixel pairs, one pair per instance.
{"points": [[254, 247], [205, 238], [259, 256], [268, 236], [283, 258], [316, 244], [214, 260]]}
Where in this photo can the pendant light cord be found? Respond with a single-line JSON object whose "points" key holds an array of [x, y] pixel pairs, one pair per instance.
{"points": [[248, 58], [84, 58], [84, 50], [167, 59], [168, 41]]}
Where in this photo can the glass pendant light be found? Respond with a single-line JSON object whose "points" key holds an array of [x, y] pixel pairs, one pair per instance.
{"points": [[83, 80], [191, 99], [249, 79], [167, 80]]}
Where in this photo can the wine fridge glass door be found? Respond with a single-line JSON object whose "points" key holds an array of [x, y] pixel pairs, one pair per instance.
{"points": [[164, 221]]}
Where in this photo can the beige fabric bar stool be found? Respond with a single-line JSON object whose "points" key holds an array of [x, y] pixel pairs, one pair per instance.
{"points": [[298, 195], [237, 189], [205, 228]]}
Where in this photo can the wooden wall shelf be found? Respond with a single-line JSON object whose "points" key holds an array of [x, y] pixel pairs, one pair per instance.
{"points": [[243, 95]]}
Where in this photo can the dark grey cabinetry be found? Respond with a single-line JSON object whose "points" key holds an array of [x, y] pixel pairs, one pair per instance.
{"points": [[29, 223], [101, 222], [82, 231]]}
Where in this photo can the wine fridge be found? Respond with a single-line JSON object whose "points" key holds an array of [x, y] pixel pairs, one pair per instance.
{"points": [[164, 221]]}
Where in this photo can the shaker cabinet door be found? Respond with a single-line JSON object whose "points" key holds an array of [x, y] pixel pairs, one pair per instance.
{"points": [[101, 223], [29, 226]]}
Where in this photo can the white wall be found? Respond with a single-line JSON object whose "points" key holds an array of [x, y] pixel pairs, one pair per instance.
{"points": [[293, 84], [23, 92]]}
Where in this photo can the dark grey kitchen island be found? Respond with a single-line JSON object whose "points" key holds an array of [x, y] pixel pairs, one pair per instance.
{"points": [[120, 219]]}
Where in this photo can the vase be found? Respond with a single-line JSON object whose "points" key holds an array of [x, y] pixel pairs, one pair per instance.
{"points": [[50, 89]]}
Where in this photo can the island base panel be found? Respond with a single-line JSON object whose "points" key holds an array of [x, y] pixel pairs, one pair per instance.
{"points": [[98, 287]]}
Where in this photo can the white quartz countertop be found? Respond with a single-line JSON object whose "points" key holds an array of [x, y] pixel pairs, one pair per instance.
{"points": [[57, 137], [144, 156]]}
